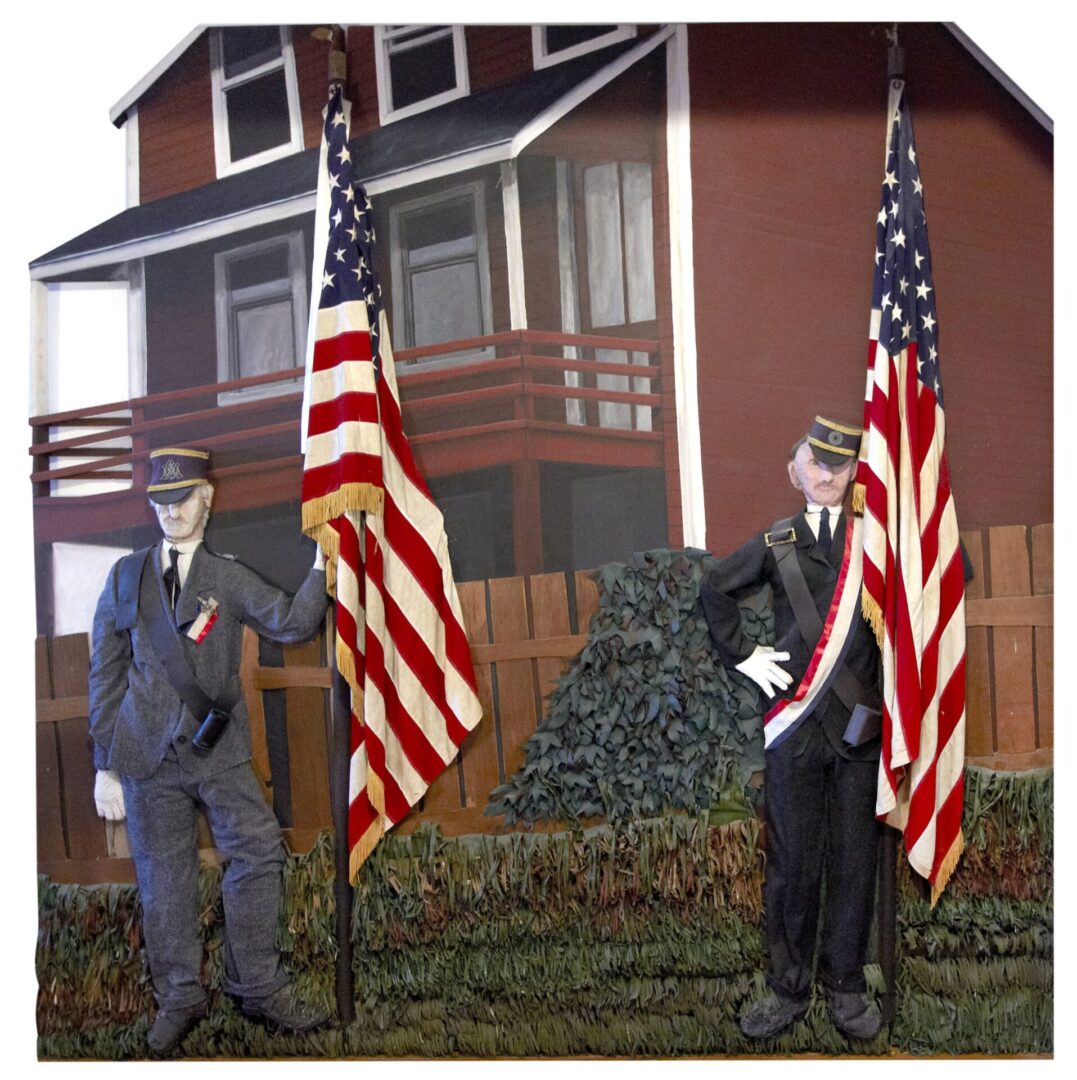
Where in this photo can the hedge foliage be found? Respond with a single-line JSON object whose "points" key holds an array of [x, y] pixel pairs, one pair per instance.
{"points": [[646, 719], [636, 938]]}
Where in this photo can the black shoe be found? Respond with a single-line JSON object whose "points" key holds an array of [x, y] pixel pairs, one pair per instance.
{"points": [[853, 1014], [170, 1026], [280, 1013], [771, 1015]]}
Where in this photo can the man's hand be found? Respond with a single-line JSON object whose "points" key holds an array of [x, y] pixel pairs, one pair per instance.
{"points": [[762, 669], [108, 795]]}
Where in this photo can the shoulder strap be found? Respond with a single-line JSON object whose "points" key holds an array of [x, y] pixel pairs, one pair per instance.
{"points": [[845, 684], [127, 584], [169, 649]]}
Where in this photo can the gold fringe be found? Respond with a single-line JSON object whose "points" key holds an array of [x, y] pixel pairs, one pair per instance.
{"points": [[873, 614], [949, 864], [353, 497], [346, 666], [859, 498], [366, 845]]}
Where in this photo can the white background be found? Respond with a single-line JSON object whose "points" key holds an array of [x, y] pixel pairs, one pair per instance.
{"points": [[65, 66]]}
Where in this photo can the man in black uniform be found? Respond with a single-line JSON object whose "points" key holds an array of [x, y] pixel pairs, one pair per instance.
{"points": [[822, 739]]}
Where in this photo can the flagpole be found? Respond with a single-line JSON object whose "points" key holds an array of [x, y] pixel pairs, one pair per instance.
{"points": [[886, 914], [341, 721]]}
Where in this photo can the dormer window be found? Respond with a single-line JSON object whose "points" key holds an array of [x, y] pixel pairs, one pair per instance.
{"points": [[418, 67], [255, 96], [552, 44]]}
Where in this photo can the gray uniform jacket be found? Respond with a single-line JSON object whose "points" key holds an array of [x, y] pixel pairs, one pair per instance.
{"points": [[135, 714]]}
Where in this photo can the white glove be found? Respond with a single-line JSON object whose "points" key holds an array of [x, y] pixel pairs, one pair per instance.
{"points": [[108, 795], [761, 668], [319, 558]]}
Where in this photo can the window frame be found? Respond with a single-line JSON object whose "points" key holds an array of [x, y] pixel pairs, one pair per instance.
{"points": [[297, 277], [476, 189], [542, 58], [383, 40], [220, 87]]}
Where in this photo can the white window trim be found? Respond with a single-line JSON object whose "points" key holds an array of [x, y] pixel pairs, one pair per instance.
{"points": [[543, 59], [478, 194], [298, 277], [383, 36], [222, 150]]}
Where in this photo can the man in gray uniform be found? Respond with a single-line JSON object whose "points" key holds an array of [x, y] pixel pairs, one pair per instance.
{"points": [[170, 734]]}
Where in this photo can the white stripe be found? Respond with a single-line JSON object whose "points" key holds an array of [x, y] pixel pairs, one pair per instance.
{"points": [[355, 437], [357, 773], [350, 377], [345, 317], [411, 784]]}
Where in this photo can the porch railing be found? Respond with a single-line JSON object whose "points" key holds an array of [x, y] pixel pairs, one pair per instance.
{"points": [[525, 379]]}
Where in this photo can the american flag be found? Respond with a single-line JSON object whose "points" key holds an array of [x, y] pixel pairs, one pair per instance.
{"points": [[914, 587], [400, 641]]}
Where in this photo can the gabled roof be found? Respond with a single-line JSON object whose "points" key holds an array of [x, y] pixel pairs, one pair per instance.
{"points": [[118, 113], [487, 127]]}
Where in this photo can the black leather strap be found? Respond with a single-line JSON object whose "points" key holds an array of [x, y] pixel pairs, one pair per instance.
{"points": [[845, 684], [169, 649]]}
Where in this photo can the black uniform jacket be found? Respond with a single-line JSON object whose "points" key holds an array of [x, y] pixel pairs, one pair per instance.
{"points": [[750, 567]]}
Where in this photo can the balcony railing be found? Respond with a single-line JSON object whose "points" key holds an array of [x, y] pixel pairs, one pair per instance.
{"points": [[552, 396]]}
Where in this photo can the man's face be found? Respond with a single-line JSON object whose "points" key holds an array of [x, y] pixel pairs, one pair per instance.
{"points": [[822, 484], [184, 520]]}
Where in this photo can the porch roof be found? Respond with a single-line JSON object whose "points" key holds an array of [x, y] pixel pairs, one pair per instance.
{"points": [[486, 127]]}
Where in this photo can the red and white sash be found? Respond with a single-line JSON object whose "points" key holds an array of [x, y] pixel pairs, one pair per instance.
{"points": [[787, 713]]}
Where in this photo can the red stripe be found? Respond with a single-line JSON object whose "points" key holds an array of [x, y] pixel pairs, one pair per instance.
{"points": [[410, 547], [413, 651], [947, 824], [393, 428], [907, 675], [396, 805], [353, 406], [347, 469], [351, 345]]}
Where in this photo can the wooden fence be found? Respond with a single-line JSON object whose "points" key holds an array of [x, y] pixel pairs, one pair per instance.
{"points": [[523, 630]]}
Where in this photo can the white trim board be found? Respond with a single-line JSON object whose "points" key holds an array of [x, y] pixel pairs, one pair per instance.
{"points": [[118, 113]]}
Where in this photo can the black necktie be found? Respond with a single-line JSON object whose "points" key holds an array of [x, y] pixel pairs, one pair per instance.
{"points": [[172, 575], [824, 530]]}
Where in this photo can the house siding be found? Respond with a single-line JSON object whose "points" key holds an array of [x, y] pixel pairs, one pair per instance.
{"points": [[787, 148]]}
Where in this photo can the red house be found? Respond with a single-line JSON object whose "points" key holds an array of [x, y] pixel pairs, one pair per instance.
{"points": [[625, 265]]}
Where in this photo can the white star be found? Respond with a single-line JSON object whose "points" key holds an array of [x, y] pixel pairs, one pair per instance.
{"points": [[362, 263], [357, 272], [897, 313], [886, 302], [890, 180], [352, 233], [344, 155], [334, 181], [906, 330], [929, 321], [922, 290], [899, 238], [881, 219], [903, 285], [349, 193], [339, 253], [912, 154], [337, 217], [894, 210], [917, 186], [338, 119], [327, 280], [878, 256], [919, 259], [932, 352], [369, 204]]}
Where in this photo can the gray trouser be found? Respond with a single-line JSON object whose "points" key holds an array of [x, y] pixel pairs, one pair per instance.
{"points": [[161, 827]]}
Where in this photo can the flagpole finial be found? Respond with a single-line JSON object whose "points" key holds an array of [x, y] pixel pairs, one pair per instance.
{"points": [[338, 56], [895, 56]]}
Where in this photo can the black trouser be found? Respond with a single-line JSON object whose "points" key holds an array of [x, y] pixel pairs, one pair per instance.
{"points": [[820, 814]]}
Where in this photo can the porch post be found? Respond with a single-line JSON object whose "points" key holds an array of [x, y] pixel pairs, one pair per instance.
{"points": [[514, 245]]}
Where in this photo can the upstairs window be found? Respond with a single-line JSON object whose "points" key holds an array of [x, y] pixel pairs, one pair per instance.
{"points": [[418, 68], [441, 270], [552, 44], [261, 298], [255, 96]]}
